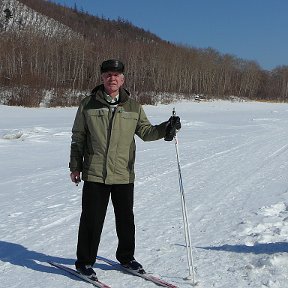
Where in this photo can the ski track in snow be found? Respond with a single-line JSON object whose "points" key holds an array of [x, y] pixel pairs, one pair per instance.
{"points": [[234, 167]]}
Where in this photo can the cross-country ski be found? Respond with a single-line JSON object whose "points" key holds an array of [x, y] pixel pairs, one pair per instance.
{"points": [[147, 276], [95, 282]]}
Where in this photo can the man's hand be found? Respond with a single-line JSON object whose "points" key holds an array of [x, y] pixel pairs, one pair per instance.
{"points": [[173, 125], [75, 177]]}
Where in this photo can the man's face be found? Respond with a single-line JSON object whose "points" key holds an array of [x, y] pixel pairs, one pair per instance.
{"points": [[112, 82]]}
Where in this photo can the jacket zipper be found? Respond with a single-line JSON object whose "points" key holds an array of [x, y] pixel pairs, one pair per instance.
{"points": [[111, 118]]}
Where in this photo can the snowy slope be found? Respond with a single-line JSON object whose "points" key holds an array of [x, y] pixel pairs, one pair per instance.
{"points": [[234, 166], [26, 19]]}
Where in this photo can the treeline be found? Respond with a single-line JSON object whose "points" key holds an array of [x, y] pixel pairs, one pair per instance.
{"points": [[34, 64]]}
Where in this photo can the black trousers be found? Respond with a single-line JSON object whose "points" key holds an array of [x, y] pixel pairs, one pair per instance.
{"points": [[95, 199]]}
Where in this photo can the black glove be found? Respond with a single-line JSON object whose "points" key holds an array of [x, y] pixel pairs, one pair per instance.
{"points": [[173, 125]]}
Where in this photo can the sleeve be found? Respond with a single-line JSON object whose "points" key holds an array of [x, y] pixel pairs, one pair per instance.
{"points": [[78, 141], [146, 131]]}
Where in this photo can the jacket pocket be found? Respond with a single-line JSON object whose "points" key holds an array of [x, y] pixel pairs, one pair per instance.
{"points": [[128, 123], [98, 112], [130, 115]]}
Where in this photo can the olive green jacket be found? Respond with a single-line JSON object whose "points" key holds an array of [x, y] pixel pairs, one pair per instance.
{"points": [[103, 146]]}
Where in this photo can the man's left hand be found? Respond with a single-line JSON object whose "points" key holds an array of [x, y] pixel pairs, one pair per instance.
{"points": [[173, 125]]}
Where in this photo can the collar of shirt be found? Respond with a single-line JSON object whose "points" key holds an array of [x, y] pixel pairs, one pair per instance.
{"points": [[111, 100]]}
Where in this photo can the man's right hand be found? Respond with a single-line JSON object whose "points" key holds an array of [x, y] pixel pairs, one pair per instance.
{"points": [[75, 177]]}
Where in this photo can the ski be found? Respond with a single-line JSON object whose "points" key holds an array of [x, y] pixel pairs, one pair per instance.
{"points": [[94, 282], [157, 280]]}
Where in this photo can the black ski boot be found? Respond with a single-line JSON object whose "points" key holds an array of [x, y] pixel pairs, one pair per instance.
{"points": [[134, 266], [87, 271]]}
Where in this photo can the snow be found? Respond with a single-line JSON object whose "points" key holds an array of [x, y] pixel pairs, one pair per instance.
{"points": [[234, 168]]}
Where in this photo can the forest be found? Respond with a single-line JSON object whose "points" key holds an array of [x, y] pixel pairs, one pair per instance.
{"points": [[62, 60]]}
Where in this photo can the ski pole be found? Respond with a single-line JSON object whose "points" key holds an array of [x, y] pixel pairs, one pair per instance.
{"points": [[190, 261]]}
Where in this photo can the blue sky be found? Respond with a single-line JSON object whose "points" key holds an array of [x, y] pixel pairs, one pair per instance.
{"points": [[249, 29]]}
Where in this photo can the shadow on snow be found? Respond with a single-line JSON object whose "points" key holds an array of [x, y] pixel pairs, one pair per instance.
{"points": [[19, 255], [259, 248]]}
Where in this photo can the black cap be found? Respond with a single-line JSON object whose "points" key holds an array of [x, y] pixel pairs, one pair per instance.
{"points": [[112, 65]]}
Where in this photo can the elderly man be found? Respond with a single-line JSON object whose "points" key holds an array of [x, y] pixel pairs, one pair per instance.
{"points": [[103, 150]]}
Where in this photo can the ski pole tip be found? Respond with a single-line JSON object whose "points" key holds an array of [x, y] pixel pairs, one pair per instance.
{"points": [[191, 280]]}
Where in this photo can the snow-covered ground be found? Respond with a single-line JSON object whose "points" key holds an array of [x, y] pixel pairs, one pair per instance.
{"points": [[234, 167]]}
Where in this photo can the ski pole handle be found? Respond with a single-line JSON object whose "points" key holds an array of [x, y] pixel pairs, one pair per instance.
{"points": [[173, 125], [173, 112]]}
